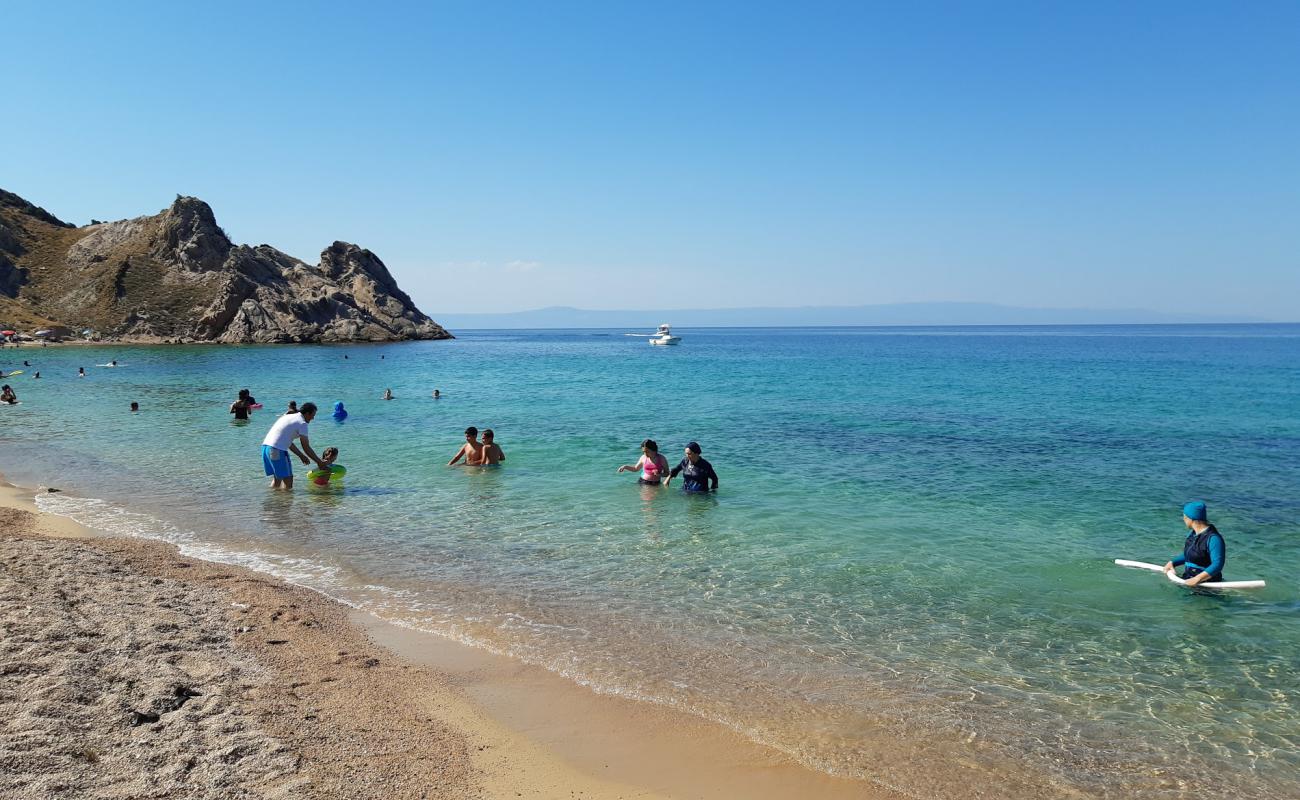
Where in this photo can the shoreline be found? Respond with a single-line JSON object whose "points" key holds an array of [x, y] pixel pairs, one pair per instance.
{"points": [[504, 729]]}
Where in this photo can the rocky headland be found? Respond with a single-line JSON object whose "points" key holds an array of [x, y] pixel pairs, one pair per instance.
{"points": [[175, 277]]}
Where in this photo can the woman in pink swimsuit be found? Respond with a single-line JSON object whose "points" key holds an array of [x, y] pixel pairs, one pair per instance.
{"points": [[653, 466]]}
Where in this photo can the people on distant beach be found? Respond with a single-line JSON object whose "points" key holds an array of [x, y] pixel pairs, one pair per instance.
{"points": [[7, 395], [81, 372], [1204, 551], [652, 463], [293, 407], [279, 443], [493, 455], [135, 407], [388, 394], [697, 474], [471, 451], [340, 413]]}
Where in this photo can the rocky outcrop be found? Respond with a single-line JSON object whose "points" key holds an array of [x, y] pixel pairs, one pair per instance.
{"points": [[176, 276]]}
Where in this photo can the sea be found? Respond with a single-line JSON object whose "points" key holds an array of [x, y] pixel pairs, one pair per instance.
{"points": [[906, 575]]}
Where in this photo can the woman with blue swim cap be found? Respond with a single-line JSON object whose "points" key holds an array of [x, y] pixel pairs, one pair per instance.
{"points": [[1204, 552], [340, 413]]}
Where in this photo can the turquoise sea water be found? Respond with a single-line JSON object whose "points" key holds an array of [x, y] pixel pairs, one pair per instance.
{"points": [[906, 575]]}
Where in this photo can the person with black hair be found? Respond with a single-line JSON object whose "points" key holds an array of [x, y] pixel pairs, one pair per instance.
{"points": [[471, 451], [279, 443], [652, 463], [698, 474]]}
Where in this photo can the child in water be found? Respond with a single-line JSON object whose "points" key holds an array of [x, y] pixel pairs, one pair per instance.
{"points": [[492, 455], [327, 457]]}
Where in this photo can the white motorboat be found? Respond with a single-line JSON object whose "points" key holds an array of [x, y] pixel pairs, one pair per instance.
{"points": [[665, 336]]}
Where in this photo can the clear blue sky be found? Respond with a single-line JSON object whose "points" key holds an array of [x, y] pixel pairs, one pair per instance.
{"points": [[503, 156]]}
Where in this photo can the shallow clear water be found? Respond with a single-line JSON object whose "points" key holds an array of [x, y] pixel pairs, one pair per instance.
{"points": [[909, 558]]}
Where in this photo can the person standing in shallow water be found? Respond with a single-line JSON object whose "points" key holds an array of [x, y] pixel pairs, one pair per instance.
{"points": [[471, 451], [698, 474], [279, 443], [652, 463], [1204, 551], [242, 405], [493, 455]]}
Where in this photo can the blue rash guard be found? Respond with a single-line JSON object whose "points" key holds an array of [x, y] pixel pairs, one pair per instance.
{"points": [[1203, 552], [696, 477]]}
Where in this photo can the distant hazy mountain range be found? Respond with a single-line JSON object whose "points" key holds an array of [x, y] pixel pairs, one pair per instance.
{"points": [[808, 316]]}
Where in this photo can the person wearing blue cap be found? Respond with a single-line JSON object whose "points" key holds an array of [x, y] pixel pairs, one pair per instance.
{"points": [[1204, 552]]}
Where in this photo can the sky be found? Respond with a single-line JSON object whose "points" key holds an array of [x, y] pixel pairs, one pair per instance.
{"points": [[507, 156]]}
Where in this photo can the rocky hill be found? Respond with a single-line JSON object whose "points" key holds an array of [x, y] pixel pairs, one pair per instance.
{"points": [[176, 277]]}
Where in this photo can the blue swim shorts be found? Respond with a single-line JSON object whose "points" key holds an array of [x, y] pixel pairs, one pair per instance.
{"points": [[276, 462]]}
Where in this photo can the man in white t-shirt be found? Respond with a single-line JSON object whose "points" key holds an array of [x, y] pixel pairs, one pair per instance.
{"points": [[278, 444]]}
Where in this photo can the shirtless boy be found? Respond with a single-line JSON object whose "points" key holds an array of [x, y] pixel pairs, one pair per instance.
{"points": [[471, 451], [492, 452]]}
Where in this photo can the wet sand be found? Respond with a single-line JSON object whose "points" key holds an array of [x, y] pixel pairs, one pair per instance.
{"points": [[127, 670]]}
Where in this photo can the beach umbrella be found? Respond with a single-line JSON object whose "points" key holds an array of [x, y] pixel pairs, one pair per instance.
{"points": [[7, 333]]}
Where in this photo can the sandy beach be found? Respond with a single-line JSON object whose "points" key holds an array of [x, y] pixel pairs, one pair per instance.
{"points": [[129, 671]]}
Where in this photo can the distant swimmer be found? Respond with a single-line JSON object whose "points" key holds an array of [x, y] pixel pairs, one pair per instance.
{"points": [[437, 395], [471, 451], [698, 474], [388, 394], [1204, 551], [279, 443], [7, 395], [81, 372], [493, 455], [37, 375], [293, 407], [26, 364], [135, 407], [340, 413], [652, 463]]}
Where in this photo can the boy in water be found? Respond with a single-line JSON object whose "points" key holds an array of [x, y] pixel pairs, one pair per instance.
{"points": [[493, 455], [327, 457], [471, 451]]}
